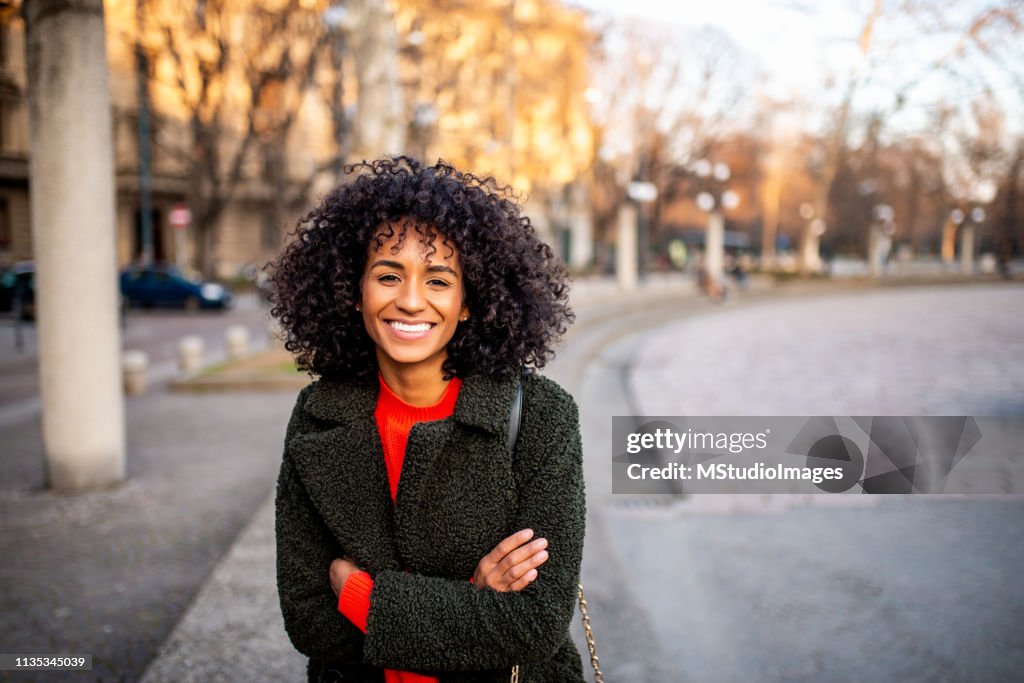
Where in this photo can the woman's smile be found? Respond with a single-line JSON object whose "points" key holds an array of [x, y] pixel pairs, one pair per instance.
{"points": [[410, 330]]}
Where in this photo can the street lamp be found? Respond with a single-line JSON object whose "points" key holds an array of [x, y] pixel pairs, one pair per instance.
{"points": [[965, 222], [712, 201], [632, 238], [880, 237]]}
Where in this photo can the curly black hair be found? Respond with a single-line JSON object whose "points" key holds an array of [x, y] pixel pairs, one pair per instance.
{"points": [[515, 288]]}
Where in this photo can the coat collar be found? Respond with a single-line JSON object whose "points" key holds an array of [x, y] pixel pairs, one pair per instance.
{"points": [[484, 402]]}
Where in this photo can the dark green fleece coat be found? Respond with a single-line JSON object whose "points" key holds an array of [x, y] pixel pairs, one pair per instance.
{"points": [[460, 493]]}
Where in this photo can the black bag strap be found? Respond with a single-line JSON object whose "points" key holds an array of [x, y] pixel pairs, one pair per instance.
{"points": [[515, 415]]}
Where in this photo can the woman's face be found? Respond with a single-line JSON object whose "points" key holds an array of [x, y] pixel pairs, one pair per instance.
{"points": [[412, 302]]}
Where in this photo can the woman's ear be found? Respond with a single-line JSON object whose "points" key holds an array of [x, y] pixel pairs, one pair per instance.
{"points": [[464, 314]]}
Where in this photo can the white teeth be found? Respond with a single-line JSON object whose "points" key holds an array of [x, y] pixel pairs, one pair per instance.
{"points": [[402, 327]]}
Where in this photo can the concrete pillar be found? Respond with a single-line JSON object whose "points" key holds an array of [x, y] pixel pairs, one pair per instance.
{"points": [[73, 229], [625, 247], [237, 340], [948, 242], [874, 251], [967, 250], [714, 246], [135, 365], [581, 229], [810, 258], [879, 249], [276, 335], [190, 354]]}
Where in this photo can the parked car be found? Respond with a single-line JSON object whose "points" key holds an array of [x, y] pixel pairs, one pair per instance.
{"points": [[18, 287], [162, 285]]}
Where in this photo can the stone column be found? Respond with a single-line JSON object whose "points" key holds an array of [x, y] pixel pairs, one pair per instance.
{"points": [[875, 251], [948, 241], [810, 254], [625, 247], [714, 246], [581, 228], [73, 230], [967, 249]]}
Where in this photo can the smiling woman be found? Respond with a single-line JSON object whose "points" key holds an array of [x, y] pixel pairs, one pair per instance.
{"points": [[412, 544]]}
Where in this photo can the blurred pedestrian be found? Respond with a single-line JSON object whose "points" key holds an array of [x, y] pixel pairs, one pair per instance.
{"points": [[416, 542]]}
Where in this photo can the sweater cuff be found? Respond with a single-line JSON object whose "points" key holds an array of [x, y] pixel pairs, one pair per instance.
{"points": [[354, 601]]}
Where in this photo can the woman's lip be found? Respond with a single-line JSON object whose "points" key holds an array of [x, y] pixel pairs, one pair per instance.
{"points": [[410, 335]]}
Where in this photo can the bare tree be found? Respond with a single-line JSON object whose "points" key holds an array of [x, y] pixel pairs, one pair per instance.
{"points": [[978, 35], [238, 72], [668, 100]]}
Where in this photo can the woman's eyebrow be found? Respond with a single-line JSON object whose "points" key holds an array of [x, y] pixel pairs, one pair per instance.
{"points": [[387, 264], [436, 268]]}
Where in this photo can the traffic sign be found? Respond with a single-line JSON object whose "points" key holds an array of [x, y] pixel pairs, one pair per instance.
{"points": [[180, 216]]}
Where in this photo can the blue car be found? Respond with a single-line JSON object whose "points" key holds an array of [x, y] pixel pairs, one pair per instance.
{"points": [[167, 286], [18, 289]]}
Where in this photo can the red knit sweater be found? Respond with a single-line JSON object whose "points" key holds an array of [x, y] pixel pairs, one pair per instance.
{"points": [[395, 419]]}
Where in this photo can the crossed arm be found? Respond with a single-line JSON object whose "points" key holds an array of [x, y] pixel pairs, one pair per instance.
{"points": [[511, 566]]}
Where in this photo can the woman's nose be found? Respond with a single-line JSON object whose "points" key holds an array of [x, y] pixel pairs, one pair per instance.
{"points": [[411, 297]]}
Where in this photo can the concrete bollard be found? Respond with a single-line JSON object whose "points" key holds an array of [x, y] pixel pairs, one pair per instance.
{"points": [[190, 354], [276, 334], [237, 338], [134, 366]]}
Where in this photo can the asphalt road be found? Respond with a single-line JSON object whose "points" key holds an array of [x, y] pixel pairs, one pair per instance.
{"points": [[822, 588]]}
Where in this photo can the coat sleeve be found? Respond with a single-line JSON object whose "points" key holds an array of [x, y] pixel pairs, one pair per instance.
{"points": [[305, 549], [419, 622]]}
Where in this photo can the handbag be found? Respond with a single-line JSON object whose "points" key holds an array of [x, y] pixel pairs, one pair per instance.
{"points": [[515, 416]]}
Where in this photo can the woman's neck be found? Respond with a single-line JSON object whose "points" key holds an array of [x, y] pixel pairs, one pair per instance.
{"points": [[418, 385]]}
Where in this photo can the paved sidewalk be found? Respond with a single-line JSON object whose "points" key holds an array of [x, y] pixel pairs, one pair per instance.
{"points": [[108, 573]]}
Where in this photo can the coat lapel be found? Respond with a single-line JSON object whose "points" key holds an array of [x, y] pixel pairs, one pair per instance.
{"points": [[342, 466]]}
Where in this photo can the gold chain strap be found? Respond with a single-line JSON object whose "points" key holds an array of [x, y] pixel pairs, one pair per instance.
{"points": [[591, 646], [585, 612]]}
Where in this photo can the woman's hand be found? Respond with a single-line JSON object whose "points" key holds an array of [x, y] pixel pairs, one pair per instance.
{"points": [[513, 563], [340, 569]]}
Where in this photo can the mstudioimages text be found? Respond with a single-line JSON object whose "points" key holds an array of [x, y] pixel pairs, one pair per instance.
{"points": [[721, 471], [668, 440]]}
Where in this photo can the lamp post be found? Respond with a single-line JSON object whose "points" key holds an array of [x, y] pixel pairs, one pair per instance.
{"points": [[712, 202], [145, 163], [810, 243], [965, 222], [880, 237], [627, 251], [974, 218]]}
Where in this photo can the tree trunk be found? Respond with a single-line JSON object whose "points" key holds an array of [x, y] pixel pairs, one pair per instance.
{"points": [[380, 116]]}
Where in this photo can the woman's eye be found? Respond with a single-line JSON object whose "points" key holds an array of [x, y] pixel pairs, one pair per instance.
{"points": [[388, 277], [439, 283]]}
